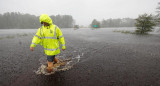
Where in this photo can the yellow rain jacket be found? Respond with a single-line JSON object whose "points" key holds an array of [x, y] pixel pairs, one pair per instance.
{"points": [[49, 37]]}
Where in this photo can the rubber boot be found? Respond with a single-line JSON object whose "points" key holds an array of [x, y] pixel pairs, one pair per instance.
{"points": [[49, 70], [55, 60], [50, 67]]}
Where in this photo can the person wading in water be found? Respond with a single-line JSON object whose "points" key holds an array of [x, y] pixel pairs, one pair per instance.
{"points": [[49, 35]]}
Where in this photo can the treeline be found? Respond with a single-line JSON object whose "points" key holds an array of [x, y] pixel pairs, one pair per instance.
{"points": [[63, 21], [25, 21], [125, 22]]}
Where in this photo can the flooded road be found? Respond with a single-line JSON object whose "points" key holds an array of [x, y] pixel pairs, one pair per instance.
{"points": [[100, 57]]}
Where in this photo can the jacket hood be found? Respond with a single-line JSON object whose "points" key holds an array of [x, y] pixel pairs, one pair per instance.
{"points": [[45, 18]]}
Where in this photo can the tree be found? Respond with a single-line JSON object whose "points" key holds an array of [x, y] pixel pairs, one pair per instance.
{"points": [[144, 23], [157, 17], [158, 9], [95, 24]]}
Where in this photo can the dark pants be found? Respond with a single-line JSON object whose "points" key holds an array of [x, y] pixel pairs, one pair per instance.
{"points": [[50, 58]]}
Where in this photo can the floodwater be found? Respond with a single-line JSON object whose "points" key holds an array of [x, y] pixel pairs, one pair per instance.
{"points": [[98, 57]]}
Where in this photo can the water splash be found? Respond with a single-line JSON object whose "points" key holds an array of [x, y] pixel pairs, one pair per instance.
{"points": [[64, 64]]}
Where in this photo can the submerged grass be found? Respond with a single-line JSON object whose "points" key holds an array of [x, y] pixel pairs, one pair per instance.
{"points": [[10, 37], [124, 31], [129, 32], [21, 35], [17, 35]]}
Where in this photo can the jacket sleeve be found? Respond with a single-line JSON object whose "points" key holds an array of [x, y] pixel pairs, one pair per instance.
{"points": [[60, 37], [36, 39]]}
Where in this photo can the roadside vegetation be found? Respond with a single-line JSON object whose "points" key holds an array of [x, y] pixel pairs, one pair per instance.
{"points": [[124, 31], [145, 23]]}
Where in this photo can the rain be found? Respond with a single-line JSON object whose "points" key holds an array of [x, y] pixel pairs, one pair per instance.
{"points": [[107, 42]]}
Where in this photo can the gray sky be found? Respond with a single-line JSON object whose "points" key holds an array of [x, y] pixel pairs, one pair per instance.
{"points": [[83, 11]]}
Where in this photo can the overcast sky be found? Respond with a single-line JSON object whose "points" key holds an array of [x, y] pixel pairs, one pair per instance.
{"points": [[83, 11]]}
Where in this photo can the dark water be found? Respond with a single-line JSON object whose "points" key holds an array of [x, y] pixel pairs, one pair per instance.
{"points": [[100, 57]]}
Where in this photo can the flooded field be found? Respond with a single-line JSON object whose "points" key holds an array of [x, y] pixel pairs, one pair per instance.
{"points": [[98, 57]]}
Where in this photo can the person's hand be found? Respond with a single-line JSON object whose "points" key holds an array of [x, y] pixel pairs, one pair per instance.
{"points": [[63, 49], [31, 48]]}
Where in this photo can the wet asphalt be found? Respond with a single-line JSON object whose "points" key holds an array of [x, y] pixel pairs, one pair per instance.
{"points": [[109, 59]]}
